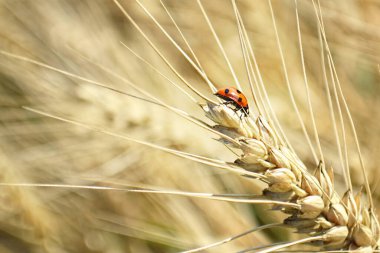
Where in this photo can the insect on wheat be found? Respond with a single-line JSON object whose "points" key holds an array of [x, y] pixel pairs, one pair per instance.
{"points": [[243, 119]]}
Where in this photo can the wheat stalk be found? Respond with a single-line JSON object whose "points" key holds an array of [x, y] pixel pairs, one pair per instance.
{"points": [[339, 221], [310, 201], [336, 222]]}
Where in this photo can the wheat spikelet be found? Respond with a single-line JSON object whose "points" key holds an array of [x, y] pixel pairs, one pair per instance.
{"points": [[321, 213], [308, 201]]}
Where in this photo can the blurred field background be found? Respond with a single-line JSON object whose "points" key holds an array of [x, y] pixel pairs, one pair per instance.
{"points": [[36, 149]]}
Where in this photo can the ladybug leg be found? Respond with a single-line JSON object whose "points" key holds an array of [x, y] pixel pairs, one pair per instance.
{"points": [[244, 111], [234, 104], [235, 109], [243, 114], [229, 103]]}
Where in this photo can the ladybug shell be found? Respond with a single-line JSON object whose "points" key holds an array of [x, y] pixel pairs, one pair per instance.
{"points": [[234, 95]]}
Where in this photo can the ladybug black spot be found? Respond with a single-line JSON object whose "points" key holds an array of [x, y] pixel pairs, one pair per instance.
{"points": [[226, 91], [238, 91], [240, 99]]}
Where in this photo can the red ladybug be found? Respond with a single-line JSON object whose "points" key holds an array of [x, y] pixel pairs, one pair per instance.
{"points": [[235, 97]]}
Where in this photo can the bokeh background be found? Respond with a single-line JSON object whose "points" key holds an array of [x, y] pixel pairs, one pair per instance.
{"points": [[36, 149]]}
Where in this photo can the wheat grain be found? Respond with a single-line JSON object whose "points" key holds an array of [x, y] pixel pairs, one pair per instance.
{"points": [[310, 201], [321, 211]]}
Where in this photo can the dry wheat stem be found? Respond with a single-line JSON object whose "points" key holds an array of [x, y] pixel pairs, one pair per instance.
{"points": [[186, 42], [320, 23], [261, 91], [291, 93], [332, 115], [208, 161], [112, 225], [273, 248], [159, 102], [234, 237], [161, 55], [310, 107], [219, 44], [313, 205], [248, 66], [133, 189], [197, 121]]}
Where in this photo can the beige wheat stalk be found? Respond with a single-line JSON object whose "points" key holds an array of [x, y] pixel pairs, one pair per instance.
{"points": [[307, 197]]}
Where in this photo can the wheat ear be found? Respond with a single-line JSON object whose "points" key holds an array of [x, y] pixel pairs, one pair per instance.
{"points": [[311, 202]]}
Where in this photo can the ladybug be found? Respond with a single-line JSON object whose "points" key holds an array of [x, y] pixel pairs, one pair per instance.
{"points": [[234, 96]]}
